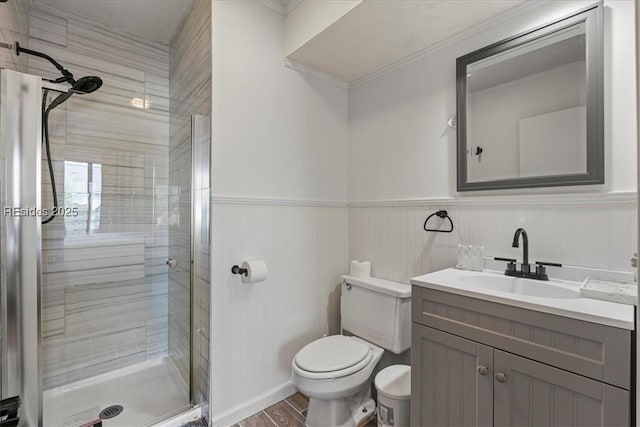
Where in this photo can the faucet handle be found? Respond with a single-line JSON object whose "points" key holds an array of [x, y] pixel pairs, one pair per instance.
{"points": [[548, 264], [511, 267], [541, 268]]}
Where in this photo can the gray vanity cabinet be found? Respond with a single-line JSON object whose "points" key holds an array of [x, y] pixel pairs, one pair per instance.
{"points": [[479, 363], [535, 394], [448, 377]]}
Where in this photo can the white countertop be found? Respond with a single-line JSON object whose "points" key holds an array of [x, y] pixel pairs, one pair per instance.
{"points": [[587, 309]]}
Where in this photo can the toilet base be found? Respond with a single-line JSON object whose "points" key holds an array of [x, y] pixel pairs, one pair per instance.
{"points": [[352, 411]]}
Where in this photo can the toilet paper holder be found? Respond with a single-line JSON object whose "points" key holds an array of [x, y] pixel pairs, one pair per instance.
{"points": [[236, 269]]}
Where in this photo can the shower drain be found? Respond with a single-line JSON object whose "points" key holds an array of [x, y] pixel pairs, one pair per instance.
{"points": [[111, 411]]}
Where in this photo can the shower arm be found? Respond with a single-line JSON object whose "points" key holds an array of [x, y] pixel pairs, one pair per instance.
{"points": [[67, 76]]}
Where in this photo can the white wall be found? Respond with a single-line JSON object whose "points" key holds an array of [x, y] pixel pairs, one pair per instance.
{"points": [[279, 151], [402, 166], [277, 132], [401, 148]]}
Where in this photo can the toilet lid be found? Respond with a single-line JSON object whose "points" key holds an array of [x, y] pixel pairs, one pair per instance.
{"points": [[331, 353]]}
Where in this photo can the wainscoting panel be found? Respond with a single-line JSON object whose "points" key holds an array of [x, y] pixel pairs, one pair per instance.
{"points": [[588, 234], [263, 325]]}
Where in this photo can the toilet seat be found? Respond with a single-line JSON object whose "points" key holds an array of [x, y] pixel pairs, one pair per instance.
{"points": [[332, 357]]}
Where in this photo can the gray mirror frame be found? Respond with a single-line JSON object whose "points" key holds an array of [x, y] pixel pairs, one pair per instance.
{"points": [[593, 17]]}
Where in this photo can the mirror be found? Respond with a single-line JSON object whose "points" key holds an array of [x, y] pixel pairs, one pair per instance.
{"points": [[530, 108]]}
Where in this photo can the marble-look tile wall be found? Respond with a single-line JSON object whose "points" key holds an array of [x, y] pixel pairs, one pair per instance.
{"points": [[105, 282], [190, 94], [14, 27]]}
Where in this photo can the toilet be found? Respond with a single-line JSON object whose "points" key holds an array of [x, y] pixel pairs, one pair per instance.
{"points": [[335, 372]]}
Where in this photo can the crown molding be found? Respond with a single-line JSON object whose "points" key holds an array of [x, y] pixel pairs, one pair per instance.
{"points": [[280, 8], [315, 73], [469, 32]]}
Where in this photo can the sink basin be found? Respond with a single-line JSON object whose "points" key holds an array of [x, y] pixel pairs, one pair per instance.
{"points": [[516, 285], [558, 297]]}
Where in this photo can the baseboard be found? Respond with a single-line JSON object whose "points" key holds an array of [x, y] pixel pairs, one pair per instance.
{"points": [[252, 406]]}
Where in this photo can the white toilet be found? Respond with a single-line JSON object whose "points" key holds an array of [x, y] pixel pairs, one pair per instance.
{"points": [[335, 371]]}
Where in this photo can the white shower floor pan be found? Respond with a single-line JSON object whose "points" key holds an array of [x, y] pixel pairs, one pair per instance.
{"points": [[149, 392]]}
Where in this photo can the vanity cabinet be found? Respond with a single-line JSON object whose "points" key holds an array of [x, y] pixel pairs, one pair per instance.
{"points": [[480, 363], [533, 393], [446, 386]]}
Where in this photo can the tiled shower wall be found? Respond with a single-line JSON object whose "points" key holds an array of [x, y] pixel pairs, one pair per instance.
{"points": [[104, 274], [190, 94], [588, 233], [14, 26]]}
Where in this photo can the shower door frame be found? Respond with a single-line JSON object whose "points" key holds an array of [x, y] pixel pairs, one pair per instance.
{"points": [[20, 251], [200, 203]]}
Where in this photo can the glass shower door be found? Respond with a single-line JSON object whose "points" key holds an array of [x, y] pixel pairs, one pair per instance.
{"points": [[107, 307], [125, 284]]}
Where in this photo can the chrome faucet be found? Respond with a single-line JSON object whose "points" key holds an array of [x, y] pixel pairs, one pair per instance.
{"points": [[525, 268]]}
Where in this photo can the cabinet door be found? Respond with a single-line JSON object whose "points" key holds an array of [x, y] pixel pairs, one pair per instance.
{"points": [[528, 393], [451, 379]]}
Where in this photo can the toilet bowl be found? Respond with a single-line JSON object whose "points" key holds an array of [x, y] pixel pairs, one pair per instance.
{"points": [[334, 372]]}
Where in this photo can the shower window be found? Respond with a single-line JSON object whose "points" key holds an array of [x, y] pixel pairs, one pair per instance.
{"points": [[83, 188]]}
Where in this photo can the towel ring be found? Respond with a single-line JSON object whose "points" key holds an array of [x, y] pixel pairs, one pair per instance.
{"points": [[440, 214]]}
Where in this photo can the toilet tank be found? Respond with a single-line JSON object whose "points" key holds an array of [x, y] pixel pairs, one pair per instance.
{"points": [[378, 311]]}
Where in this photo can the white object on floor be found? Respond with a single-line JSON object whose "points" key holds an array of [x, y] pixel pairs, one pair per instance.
{"points": [[149, 392], [394, 392], [360, 268], [624, 293], [470, 257]]}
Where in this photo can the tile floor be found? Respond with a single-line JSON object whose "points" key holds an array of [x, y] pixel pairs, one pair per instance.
{"points": [[289, 412]]}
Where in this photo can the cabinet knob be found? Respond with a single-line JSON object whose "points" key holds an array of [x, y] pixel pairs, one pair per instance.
{"points": [[482, 370], [501, 377]]}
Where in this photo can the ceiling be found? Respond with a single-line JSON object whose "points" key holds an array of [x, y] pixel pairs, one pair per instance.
{"points": [[377, 33], [283, 7], [155, 20]]}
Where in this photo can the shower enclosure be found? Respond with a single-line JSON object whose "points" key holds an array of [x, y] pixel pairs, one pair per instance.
{"points": [[104, 309]]}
